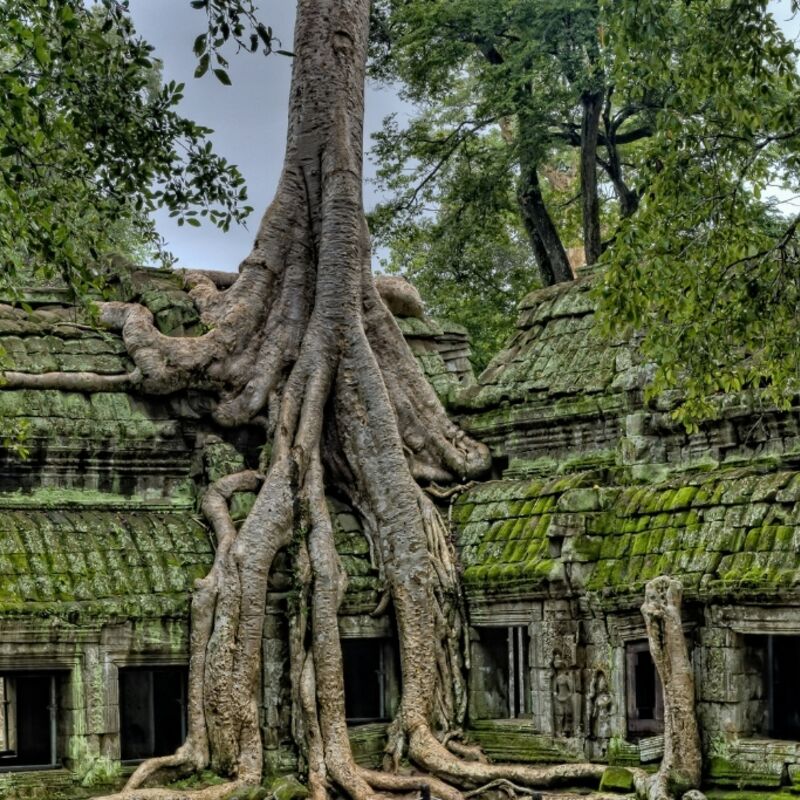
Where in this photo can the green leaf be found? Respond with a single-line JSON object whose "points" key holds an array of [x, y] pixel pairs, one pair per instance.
{"points": [[222, 77], [202, 66], [265, 34], [41, 52]]}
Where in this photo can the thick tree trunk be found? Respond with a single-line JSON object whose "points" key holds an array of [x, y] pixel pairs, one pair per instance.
{"points": [[681, 767], [551, 257], [590, 203]]}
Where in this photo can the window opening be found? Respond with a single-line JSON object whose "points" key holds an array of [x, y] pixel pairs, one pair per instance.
{"points": [[152, 707], [783, 656], [370, 678], [503, 666], [775, 707], [28, 725], [645, 699]]}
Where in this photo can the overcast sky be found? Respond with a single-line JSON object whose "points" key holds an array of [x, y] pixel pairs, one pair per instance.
{"points": [[249, 118]]}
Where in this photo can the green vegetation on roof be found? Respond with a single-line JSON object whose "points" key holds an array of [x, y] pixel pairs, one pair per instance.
{"points": [[94, 562], [722, 532]]}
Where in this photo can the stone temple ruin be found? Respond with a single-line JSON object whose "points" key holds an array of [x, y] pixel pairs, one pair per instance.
{"points": [[595, 492]]}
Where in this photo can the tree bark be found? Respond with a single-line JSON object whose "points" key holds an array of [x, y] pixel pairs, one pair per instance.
{"points": [[590, 203], [681, 767], [551, 257]]}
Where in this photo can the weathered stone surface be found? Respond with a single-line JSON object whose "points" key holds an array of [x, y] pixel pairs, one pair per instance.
{"points": [[560, 395], [81, 562], [616, 779], [702, 527]]}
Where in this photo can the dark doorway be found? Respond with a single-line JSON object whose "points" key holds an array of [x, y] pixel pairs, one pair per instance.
{"points": [[152, 708], [27, 728], [370, 679], [645, 698], [501, 665], [786, 687], [779, 659]]}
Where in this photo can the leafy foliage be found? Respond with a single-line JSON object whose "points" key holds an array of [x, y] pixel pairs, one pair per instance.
{"points": [[709, 269], [500, 93], [90, 143], [471, 262], [230, 20], [698, 139]]}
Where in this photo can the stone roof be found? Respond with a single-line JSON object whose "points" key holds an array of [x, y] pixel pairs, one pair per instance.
{"points": [[75, 561], [57, 336], [563, 396], [442, 350], [558, 390], [724, 533], [50, 342], [603, 490], [556, 353]]}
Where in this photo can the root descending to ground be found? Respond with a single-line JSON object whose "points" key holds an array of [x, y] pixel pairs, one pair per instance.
{"points": [[681, 767]]}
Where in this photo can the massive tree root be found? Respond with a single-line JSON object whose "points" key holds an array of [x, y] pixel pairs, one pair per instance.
{"points": [[303, 344]]}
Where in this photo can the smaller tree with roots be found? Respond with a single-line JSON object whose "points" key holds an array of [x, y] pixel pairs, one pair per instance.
{"points": [[303, 344]]}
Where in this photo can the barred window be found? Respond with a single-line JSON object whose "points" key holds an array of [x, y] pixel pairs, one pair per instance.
{"points": [[28, 710]]}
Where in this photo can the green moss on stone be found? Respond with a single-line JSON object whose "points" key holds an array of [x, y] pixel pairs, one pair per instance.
{"points": [[749, 794], [728, 772], [616, 779]]}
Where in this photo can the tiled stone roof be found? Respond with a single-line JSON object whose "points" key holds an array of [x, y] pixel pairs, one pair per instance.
{"points": [[556, 352], [68, 561], [86, 554], [725, 533], [562, 396], [559, 389]]}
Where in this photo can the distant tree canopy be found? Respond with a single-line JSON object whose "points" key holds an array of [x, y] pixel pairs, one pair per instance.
{"points": [[90, 141], [471, 261], [654, 135], [521, 145], [708, 270]]}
